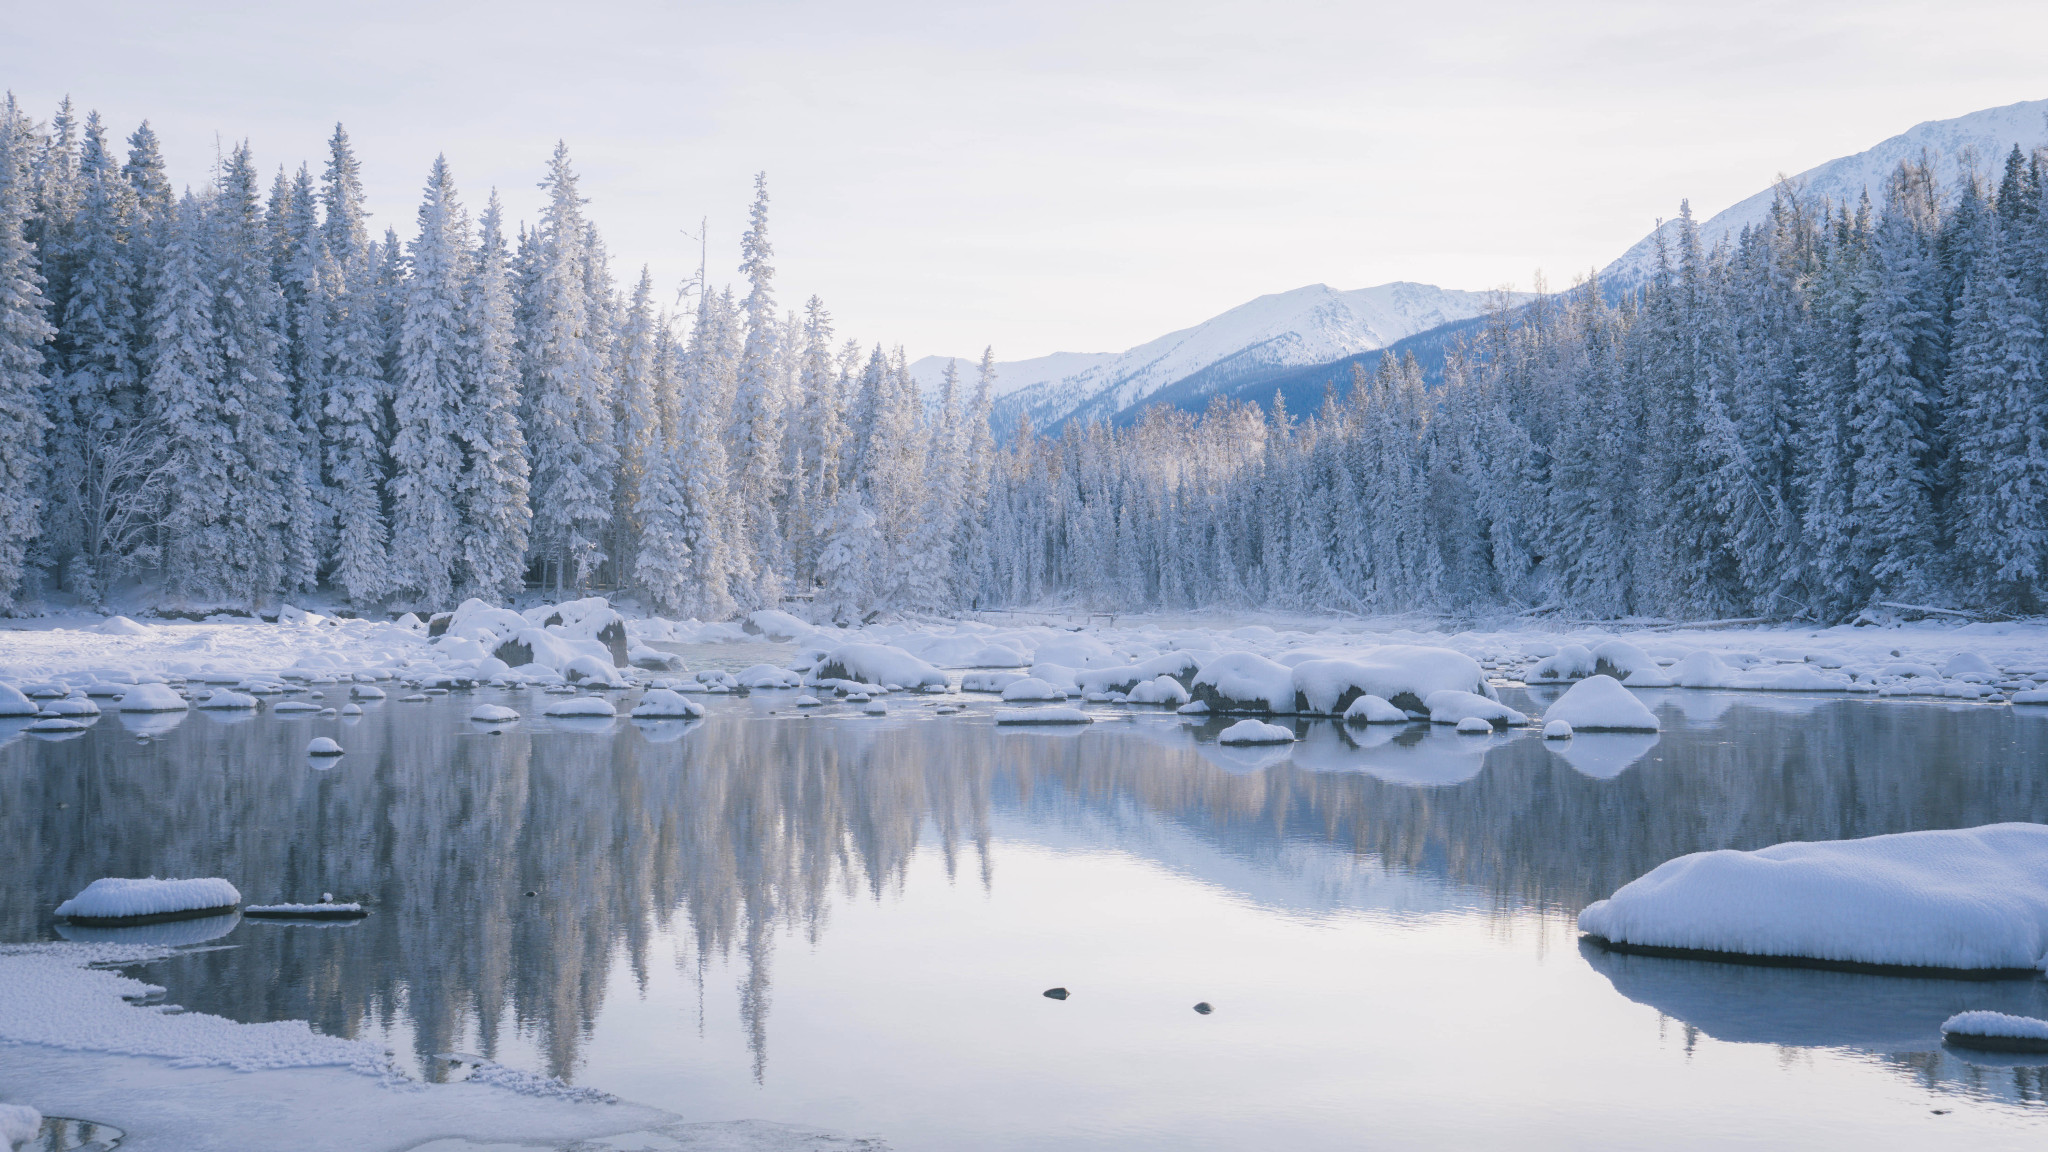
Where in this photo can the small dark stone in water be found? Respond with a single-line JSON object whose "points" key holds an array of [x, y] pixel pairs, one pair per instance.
{"points": [[1941, 1111], [1204, 1008], [533, 893], [1055, 993]]}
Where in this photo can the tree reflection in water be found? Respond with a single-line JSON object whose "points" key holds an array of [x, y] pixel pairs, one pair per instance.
{"points": [[734, 831]]}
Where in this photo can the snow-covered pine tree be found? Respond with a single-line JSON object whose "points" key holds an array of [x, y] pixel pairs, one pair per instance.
{"points": [[638, 416], [757, 420], [25, 330], [268, 552], [426, 449], [183, 386], [495, 513], [355, 423], [568, 393]]}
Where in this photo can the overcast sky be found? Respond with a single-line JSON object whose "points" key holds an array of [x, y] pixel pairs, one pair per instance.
{"points": [[1054, 176]]}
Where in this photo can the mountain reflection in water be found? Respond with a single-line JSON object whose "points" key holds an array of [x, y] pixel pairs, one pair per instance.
{"points": [[733, 832]]}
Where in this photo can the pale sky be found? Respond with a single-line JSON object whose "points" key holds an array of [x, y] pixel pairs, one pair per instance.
{"points": [[1053, 176]]}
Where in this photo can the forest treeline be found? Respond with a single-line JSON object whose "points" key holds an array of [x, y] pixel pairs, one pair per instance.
{"points": [[234, 395]]}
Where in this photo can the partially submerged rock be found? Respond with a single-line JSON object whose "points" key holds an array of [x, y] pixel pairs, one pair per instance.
{"points": [[113, 902]]}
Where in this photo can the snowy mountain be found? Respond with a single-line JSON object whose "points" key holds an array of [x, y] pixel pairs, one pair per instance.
{"points": [[1989, 135], [1311, 325]]}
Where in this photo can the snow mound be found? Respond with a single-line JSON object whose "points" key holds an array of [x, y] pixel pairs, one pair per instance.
{"points": [[322, 746], [13, 703], [1967, 663], [1630, 664], [1474, 726], [1371, 709], [1401, 674], [582, 706], [1244, 682], [777, 625], [151, 698], [876, 664], [1454, 707], [1049, 715], [2031, 696], [769, 676], [1160, 690], [1557, 730], [1966, 899], [1255, 732], [112, 896], [1996, 1024], [1601, 704], [663, 704], [1701, 669], [1032, 688], [120, 626], [224, 698], [493, 714], [1569, 662], [1181, 667]]}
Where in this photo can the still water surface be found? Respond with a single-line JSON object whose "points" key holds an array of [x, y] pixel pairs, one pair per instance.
{"points": [[846, 921]]}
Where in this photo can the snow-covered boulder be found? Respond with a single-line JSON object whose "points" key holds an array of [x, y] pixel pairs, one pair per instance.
{"points": [[1181, 666], [1569, 662], [13, 703], [1047, 715], [1244, 682], [1701, 669], [1971, 899], [323, 746], [1557, 730], [1058, 675], [586, 706], [653, 659], [493, 714], [1629, 664], [1402, 674], [1601, 704], [776, 625], [876, 664], [1996, 1031], [594, 670], [1160, 690], [227, 700], [152, 698], [1369, 709], [1451, 706], [114, 900], [1255, 732], [120, 626], [75, 705], [1474, 726], [1032, 688], [768, 676], [662, 704], [1967, 663]]}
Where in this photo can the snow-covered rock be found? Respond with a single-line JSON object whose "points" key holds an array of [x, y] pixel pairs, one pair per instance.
{"points": [[1255, 732], [662, 704], [493, 714], [768, 676], [1244, 682], [989, 681], [593, 706], [224, 699], [1569, 662], [1371, 709], [151, 698], [1032, 688], [1047, 715], [322, 746], [1404, 675], [1996, 1030], [1160, 690], [1601, 704], [13, 703], [120, 626], [119, 898], [1182, 667], [1701, 669], [1557, 730], [1474, 726], [1451, 706], [78, 705], [876, 664], [777, 625], [1972, 899], [1629, 664], [1967, 663]]}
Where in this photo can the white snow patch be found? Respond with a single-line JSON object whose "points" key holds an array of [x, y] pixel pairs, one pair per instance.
{"points": [[114, 896], [1996, 1024], [1600, 703]]}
